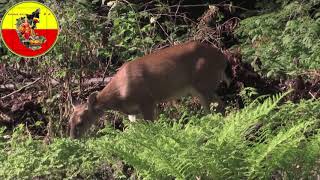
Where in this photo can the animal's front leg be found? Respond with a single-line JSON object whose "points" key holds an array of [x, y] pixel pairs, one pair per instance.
{"points": [[203, 100], [132, 118], [147, 110], [221, 106]]}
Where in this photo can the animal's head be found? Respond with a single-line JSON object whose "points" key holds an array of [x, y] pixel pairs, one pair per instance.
{"points": [[83, 117]]}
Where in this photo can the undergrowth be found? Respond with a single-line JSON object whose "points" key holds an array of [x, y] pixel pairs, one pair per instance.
{"points": [[285, 41], [262, 141], [257, 142]]}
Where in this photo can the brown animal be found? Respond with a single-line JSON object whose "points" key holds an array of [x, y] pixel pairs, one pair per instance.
{"points": [[191, 68]]}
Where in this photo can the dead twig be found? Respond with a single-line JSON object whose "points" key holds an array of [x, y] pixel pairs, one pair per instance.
{"points": [[108, 64], [22, 88]]}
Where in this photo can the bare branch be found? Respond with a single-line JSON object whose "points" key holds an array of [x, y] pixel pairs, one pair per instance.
{"points": [[22, 88]]}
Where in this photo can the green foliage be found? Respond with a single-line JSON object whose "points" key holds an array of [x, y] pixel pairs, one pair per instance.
{"points": [[212, 147], [285, 41], [247, 94], [135, 33], [130, 35], [26, 158], [80, 40], [257, 142], [217, 148]]}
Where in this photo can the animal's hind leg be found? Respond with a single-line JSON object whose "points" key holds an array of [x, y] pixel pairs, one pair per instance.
{"points": [[147, 111], [221, 106], [204, 100]]}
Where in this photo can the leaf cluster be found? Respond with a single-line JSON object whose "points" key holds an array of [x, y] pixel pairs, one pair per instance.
{"points": [[252, 143], [286, 41]]}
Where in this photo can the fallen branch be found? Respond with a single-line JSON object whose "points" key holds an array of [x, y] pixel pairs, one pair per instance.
{"points": [[105, 80], [14, 92]]}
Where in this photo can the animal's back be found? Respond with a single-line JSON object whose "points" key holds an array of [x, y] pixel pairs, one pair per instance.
{"points": [[171, 72]]}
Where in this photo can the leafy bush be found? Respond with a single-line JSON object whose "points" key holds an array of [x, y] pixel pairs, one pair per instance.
{"points": [[261, 141], [27, 158], [285, 40], [253, 143]]}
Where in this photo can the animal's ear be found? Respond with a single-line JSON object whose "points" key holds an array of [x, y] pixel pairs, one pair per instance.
{"points": [[92, 99], [72, 102], [75, 103]]}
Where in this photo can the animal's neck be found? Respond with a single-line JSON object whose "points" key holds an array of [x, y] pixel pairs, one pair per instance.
{"points": [[97, 112], [107, 99]]}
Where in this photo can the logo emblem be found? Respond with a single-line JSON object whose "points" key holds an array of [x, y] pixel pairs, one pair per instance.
{"points": [[29, 29]]}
